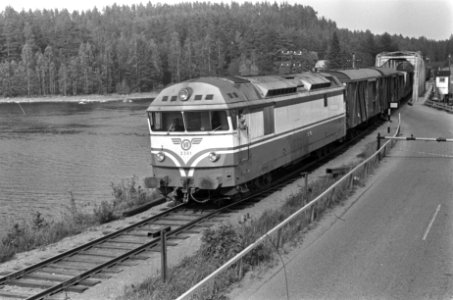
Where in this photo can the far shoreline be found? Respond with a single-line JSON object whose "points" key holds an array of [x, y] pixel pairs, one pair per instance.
{"points": [[82, 98]]}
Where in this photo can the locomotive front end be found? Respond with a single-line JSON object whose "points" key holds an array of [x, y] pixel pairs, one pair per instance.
{"points": [[192, 135]]}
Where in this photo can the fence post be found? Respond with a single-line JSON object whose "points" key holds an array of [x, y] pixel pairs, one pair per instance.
{"points": [[379, 145], [162, 233], [163, 251], [279, 236], [305, 175], [312, 218], [240, 268]]}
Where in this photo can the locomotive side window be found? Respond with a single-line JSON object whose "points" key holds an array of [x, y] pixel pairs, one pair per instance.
{"points": [[219, 121], [256, 123], [269, 124], [234, 121]]}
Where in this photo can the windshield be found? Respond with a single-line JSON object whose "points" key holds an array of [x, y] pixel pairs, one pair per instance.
{"points": [[189, 121]]}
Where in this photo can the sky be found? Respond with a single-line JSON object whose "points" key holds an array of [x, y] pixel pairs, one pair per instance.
{"points": [[432, 19]]}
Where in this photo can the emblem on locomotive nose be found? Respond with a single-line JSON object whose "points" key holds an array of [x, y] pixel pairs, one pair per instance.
{"points": [[186, 144]]}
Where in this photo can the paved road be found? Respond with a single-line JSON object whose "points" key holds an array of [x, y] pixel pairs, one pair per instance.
{"points": [[392, 240]]}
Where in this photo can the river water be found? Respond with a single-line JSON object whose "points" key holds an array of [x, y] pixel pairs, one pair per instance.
{"points": [[49, 151]]}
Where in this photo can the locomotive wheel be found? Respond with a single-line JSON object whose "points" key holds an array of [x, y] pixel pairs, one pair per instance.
{"points": [[262, 181], [200, 196]]}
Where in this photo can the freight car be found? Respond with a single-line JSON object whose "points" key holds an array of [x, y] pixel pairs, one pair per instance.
{"points": [[223, 136], [369, 92]]}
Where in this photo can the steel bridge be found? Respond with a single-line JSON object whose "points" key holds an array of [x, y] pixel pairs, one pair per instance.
{"points": [[394, 60]]}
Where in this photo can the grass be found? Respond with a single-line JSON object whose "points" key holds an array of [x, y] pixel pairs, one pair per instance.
{"points": [[39, 231]]}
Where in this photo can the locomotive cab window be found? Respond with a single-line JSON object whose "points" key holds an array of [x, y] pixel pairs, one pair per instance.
{"points": [[166, 121], [206, 120]]}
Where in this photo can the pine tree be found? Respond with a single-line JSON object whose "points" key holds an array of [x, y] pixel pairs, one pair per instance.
{"points": [[28, 63], [334, 56], [174, 57]]}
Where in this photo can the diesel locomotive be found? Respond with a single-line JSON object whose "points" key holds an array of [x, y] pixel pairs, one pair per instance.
{"points": [[222, 135]]}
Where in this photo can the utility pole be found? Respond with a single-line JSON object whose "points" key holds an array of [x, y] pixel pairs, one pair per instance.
{"points": [[450, 81]]}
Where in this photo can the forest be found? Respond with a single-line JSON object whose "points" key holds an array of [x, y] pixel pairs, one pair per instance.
{"points": [[139, 48]]}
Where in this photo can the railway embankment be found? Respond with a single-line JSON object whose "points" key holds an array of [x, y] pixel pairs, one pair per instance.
{"points": [[39, 232]]}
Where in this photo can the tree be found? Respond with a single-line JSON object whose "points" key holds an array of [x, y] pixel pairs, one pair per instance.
{"points": [[63, 79], [334, 54], [154, 64], [50, 71], [12, 35], [86, 60], [174, 57], [28, 63], [386, 43], [5, 79], [41, 73], [140, 47], [75, 75]]}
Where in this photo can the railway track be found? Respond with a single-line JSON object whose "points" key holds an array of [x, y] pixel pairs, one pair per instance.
{"points": [[80, 268], [85, 266]]}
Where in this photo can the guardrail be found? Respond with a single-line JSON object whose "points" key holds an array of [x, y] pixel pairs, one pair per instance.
{"points": [[348, 180], [439, 105]]}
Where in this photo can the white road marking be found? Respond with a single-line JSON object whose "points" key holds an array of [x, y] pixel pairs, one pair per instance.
{"points": [[431, 223]]}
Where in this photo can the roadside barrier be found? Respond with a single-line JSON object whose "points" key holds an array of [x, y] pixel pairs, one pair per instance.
{"points": [[309, 210]]}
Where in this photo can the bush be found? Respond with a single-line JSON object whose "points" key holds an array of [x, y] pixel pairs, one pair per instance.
{"points": [[220, 244], [127, 194], [39, 231], [105, 212]]}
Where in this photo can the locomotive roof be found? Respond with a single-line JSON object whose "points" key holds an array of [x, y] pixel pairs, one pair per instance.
{"points": [[222, 92]]}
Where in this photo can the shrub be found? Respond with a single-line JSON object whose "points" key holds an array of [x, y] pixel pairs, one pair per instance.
{"points": [[39, 231], [105, 212], [219, 244], [127, 194]]}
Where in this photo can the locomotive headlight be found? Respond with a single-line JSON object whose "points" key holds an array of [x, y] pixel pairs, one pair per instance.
{"points": [[160, 156], [185, 94], [214, 156]]}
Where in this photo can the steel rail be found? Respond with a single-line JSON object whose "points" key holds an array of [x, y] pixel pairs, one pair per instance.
{"points": [[150, 244]]}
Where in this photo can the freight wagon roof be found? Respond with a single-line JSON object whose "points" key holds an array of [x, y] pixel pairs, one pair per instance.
{"points": [[386, 71], [354, 75]]}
